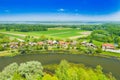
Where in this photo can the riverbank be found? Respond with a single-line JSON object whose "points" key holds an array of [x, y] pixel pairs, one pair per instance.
{"points": [[104, 54]]}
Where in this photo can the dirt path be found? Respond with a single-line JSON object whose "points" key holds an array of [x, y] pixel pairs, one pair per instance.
{"points": [[13, 34], [86, 33], [19, 39], [82, 34], [59, 33]]}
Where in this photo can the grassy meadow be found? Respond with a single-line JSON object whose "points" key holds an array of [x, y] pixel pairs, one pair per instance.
{"points": [[61, 33]]}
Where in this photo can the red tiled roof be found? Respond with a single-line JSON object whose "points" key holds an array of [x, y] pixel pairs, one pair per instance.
{"points": [[107, 44], [40, 43]]}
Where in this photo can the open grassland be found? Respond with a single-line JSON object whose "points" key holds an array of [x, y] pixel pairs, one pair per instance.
{"points": [[62, 33]]}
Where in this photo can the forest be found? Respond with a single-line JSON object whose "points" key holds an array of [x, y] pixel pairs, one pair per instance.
{"points": [[23, 27]]}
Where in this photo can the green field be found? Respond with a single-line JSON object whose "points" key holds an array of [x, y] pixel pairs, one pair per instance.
{"points": [[62, 33]]}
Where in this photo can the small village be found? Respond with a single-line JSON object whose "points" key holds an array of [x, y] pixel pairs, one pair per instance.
{"points": [[59, 45]]}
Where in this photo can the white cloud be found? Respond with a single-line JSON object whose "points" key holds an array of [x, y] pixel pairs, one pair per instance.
{"points": [[61, 10]]}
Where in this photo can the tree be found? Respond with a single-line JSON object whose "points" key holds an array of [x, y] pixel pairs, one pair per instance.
{"points": [[1, 48], [9, 71], [91, 41], [73, 73], [61, 71], [17, 76], [100, 74], [90, 50], [49, 77], [99, 50], [30, 69], [111, 77]]}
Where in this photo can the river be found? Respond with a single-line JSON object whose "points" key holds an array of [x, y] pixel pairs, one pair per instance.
{"points": [[108, 64]]}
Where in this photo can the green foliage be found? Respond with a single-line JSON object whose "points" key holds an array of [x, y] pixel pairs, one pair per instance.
{"points": [[61, 71], [101, 35], [30, 68], [117, 39], [49, 77], [23, 27], [9, 71], [26, 71], [99, 50], [34, 71], [106, 33], [17, 76], [1, 48], [67, 72], [4, 38]]}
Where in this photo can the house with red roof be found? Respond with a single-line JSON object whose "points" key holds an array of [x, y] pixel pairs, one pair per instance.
{"points": [[40, 43], [108, 46]]}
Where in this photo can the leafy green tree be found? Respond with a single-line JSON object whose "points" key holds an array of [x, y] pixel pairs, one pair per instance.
{"points": [[49, 77], [9, 71], [99, 50], [83, 75], [100, 74], [61, 71], [111, 77], [92, 74], [30, 68], [118, 45], [1, 48], [91, 41], [17, 76], [90, 50], [73, 73]]}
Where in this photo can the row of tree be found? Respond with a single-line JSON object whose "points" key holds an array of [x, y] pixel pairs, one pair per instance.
{"points": [[23, 27]]}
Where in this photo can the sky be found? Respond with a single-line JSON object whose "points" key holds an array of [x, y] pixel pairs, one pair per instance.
{"points": [[59, 10]]}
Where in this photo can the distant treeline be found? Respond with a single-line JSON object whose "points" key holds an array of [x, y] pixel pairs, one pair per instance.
{"points": [[112, 28], [23, 27]]}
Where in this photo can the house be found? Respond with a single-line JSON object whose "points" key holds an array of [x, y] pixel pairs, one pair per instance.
{"points": [[84, 42], [61, 42], [14, 45], [4, 45], [40, 43], [74, 43], [50, 42], [88, 44], [55, 42], [108, 46], [32, 43]]}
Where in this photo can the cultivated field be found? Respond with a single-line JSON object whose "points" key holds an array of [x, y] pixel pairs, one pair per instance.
{"points": [[62, 33]]}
